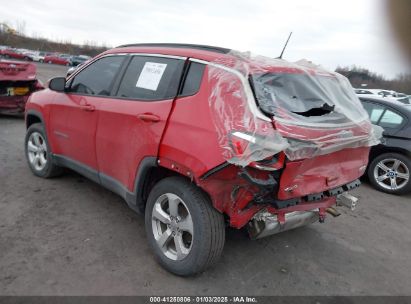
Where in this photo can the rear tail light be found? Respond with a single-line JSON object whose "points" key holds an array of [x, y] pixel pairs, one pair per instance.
{"points": [[252, 146]]}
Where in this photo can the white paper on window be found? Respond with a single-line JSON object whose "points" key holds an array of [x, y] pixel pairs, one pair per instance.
{"points": [[151, 75]]}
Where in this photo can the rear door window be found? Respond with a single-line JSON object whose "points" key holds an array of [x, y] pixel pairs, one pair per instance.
{"points": [[193, 79], [151, 78], [382, 116], [374, 111], [391, 120], [97, 79]]}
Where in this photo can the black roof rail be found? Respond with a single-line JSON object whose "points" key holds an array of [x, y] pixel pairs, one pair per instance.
{"points": [[209, 48]]}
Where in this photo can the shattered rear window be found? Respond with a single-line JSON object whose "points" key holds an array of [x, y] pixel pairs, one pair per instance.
{"points": [[300, 94]]}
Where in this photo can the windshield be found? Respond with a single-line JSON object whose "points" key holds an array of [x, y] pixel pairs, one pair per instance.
{"points": [[305, 96]]}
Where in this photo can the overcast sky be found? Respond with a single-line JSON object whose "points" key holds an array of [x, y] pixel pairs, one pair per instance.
{"points": [[330, 33]]}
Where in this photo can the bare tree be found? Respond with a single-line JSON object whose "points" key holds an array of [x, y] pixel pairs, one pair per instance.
{"points": [[21, 27]]}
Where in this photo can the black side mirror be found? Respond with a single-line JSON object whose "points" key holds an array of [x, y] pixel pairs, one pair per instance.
{"points": [[57, 84]]}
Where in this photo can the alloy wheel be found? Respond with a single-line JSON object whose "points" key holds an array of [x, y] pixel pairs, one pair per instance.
{"points": [[391, 174], [37, 151], [172, 226]]}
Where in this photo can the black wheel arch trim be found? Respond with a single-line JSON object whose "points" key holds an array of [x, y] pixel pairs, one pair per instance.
{"points": [[382, 149], [141, 183], [35, 113]]}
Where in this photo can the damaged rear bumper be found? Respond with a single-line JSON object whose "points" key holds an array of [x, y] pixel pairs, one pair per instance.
{"points": [[13, 105], [305, 185], [15, 94]]}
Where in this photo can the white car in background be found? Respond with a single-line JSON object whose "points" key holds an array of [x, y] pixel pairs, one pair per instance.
{"points": [[37, 56], [386, 94], [31, 55]]}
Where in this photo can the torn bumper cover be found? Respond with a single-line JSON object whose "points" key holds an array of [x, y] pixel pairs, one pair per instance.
{"points": [[312, 197]]}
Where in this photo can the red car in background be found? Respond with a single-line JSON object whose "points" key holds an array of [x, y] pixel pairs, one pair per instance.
{"points": [[62, 59], [17, 82], [12, 53]]}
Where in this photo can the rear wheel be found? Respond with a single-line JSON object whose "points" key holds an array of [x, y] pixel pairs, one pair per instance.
{"points": [[185, 232], [390, 173], [49, 62], [38, 152]]}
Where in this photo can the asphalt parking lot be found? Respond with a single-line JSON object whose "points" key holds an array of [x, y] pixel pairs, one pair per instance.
{"points": [[69, 236], [46, 71]]}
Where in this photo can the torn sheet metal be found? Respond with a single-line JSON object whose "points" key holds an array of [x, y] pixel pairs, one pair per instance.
{"points": [[263, 106]]}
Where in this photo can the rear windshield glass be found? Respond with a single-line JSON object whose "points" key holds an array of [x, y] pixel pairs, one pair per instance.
{"points": [[301, 94]]}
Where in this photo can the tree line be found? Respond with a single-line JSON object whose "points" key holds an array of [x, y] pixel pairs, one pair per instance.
{"points": [[17, 39], [362, 77]]}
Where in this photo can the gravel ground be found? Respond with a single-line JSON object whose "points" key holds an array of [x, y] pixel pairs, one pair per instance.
{"points": [[69, 236]]}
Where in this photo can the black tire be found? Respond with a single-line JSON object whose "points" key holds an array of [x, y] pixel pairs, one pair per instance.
{"points": [[387, 157], [49, 62], [41, 60], [50, 169], [208, 227]]}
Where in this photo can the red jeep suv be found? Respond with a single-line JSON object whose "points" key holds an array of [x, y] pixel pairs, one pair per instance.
{"points": [[199, 137]]}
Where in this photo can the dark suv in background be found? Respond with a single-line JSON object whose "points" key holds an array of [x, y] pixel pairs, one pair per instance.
{"points": [[390, 162]]}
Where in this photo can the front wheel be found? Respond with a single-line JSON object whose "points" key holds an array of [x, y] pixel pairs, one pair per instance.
{"points": [[38, 152], [183, 229], [390, 173]]}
